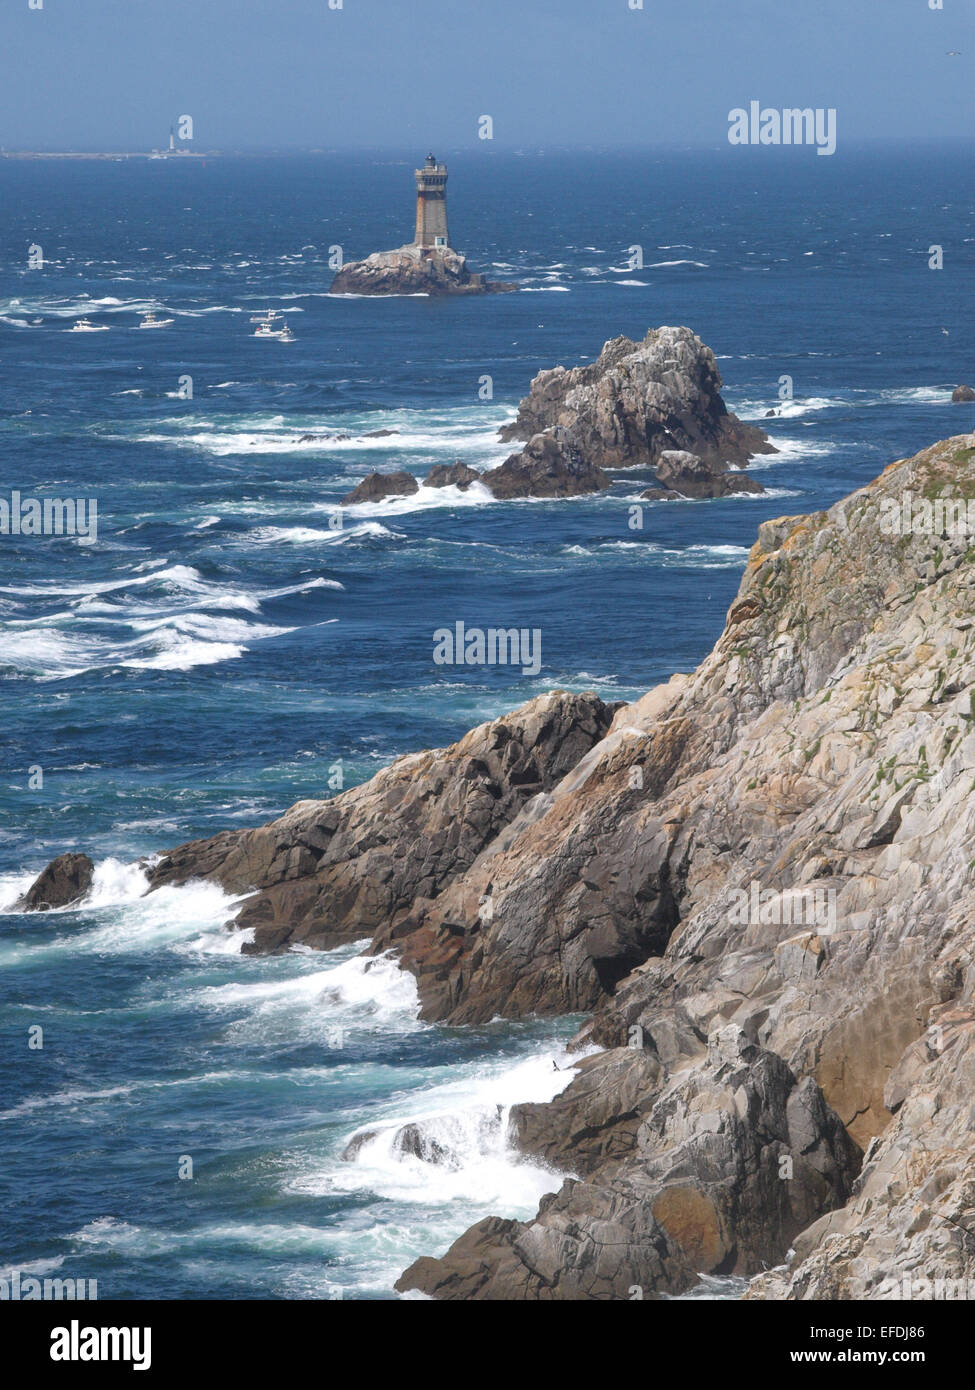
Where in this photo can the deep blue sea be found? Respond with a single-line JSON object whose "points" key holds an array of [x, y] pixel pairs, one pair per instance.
{"points": [[223, 649]]}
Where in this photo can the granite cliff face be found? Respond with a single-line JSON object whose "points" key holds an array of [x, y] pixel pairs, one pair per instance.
{"points": [[757, 880], [824, 752]]}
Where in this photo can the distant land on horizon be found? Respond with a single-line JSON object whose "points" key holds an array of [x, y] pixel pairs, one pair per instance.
{"points": [[406, 152]]}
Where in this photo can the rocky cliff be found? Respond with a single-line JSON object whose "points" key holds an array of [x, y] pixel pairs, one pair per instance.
{"points": [[757, 880]]}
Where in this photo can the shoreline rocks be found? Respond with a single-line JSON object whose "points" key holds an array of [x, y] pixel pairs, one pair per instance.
{"points": [[701, 1194], [334, 871], [757, 882]]}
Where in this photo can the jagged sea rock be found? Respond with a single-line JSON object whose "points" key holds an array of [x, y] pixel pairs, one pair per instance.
{"points": [[66, 880], [962, 394], [638, 400], [377, 486], [548, 466], [454, 474]]}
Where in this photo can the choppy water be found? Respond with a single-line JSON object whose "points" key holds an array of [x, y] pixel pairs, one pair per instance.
{"points": [[222, 647]]}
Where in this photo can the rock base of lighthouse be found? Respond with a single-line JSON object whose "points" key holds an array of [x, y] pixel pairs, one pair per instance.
{"points": [[414, 270]]}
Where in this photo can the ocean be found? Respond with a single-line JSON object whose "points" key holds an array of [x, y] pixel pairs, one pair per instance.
{"points": [[226, 648]]}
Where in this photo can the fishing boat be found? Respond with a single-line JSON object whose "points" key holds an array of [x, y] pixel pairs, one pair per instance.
{"points": [[151, 321]]}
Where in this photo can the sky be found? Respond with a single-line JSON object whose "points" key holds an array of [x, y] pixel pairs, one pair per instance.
{"points": [[279, 74]]}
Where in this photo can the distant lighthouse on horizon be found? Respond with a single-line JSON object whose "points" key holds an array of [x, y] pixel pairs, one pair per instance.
{"points": [[431, 204]]}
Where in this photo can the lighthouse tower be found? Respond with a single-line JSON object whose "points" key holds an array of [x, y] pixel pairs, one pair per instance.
{"points": [[431, 204]]}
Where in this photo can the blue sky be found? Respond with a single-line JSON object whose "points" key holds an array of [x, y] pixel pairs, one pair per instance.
{"points": [[100, 74]]}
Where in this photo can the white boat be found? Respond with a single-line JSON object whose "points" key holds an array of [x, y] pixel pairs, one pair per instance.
{"points": [[268, 316], [150, 321], [266, 328], [86, 326]]}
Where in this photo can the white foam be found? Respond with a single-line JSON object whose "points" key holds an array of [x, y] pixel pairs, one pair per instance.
{"points": [[307, 535], [425, 499], [127, 919], [13, 887], [695, 556], [169, 644], [369, 992], [115, 882], [464, 1127], [35, 1269], [790, 410], [792, 450]]}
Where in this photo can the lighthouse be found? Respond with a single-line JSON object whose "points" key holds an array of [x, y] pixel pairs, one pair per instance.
{"points": [[431, 204]]}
